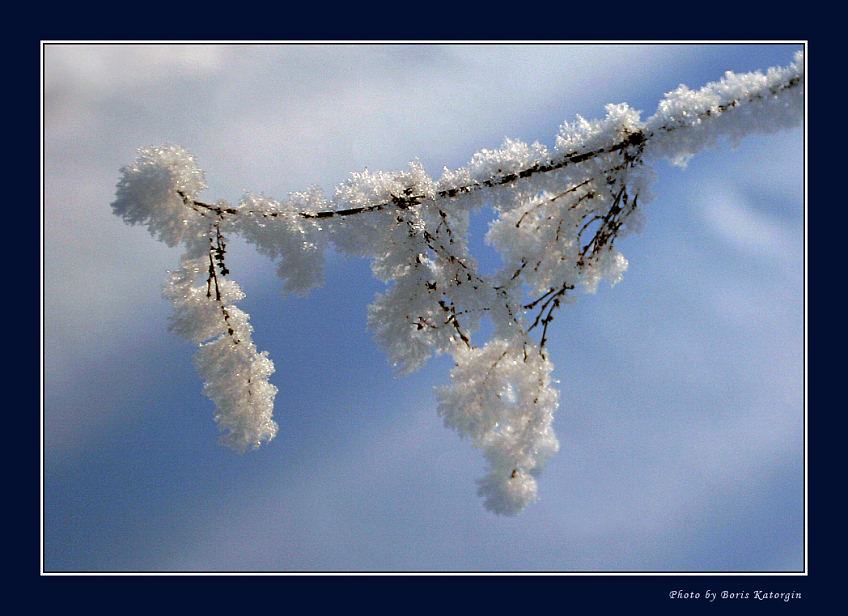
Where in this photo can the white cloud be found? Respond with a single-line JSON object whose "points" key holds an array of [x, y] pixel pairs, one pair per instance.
{"points": [[751, 232], [124, 68]]}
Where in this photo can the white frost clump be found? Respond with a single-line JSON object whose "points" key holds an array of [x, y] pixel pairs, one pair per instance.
{"points": [[235, 373], [590, 135], [377, 234], [690, 121], [545, 236], [502, 399], [281, 232], [149, 190], [236, 380], [197, 316]]}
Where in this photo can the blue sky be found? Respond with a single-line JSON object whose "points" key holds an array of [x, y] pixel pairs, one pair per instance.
{"points": [[681, 422]]}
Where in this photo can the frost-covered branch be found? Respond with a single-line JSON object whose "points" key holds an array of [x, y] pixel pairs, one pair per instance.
{"points": [[557, 215]]}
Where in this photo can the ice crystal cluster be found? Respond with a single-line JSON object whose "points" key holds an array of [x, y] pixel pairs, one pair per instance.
{"points": [[557, 216]]}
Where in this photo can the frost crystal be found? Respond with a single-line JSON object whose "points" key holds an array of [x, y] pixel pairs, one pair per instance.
{"points": [[557, 216]]}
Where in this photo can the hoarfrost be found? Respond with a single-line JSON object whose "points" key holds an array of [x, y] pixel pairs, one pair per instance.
{"points": [[557, 216]]}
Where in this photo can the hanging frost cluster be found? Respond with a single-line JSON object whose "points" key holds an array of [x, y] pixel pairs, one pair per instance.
{"points": [[557, 216]]}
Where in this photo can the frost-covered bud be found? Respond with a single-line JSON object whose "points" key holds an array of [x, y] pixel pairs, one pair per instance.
{"points": [[149, 193]]}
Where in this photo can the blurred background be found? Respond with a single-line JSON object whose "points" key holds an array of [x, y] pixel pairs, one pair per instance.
{"points": [[681, 422]]}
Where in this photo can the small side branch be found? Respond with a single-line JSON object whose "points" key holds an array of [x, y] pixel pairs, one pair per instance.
{"points": [[216, 263], [550, 301]]}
